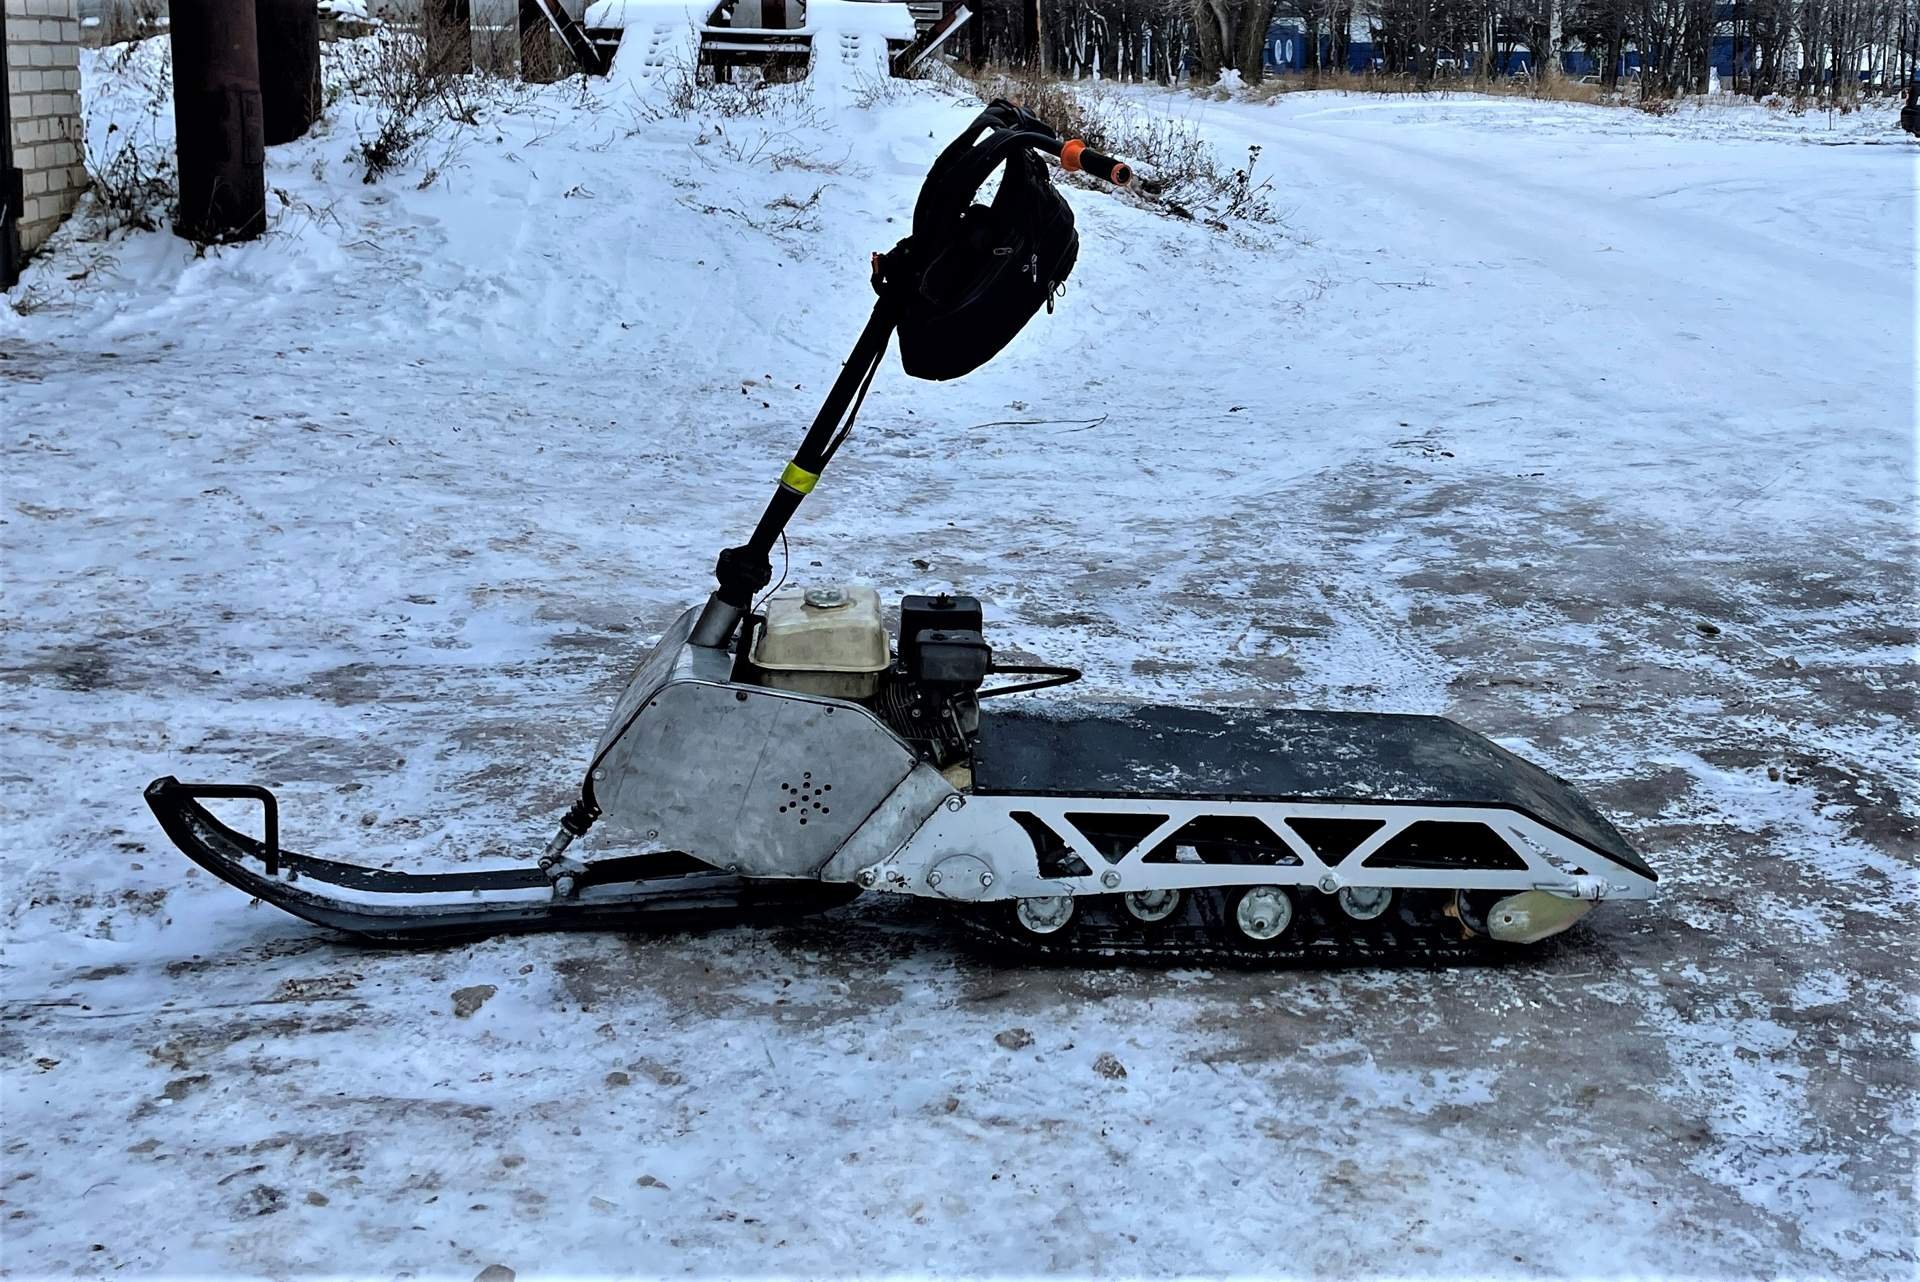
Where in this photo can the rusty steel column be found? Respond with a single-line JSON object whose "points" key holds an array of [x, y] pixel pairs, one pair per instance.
{"points": [[289, 68], [216, 110]]}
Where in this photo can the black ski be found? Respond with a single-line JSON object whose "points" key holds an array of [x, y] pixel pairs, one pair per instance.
{"points": [[669, 891]]}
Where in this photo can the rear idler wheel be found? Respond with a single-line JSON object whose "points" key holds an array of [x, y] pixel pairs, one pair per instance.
{"points": [[1262, 914], [1470, 907]]}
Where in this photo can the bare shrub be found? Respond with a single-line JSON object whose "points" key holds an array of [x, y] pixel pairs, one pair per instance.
{"points": [[785, 213], [1175, 164], [750, 146], [692, 92], [875, 91], [131, 161], [408, 102], [1054, 101], [796, 215], [496, 50]]}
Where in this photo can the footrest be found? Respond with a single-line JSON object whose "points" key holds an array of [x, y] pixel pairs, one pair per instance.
{"points": [[1277, 754]]}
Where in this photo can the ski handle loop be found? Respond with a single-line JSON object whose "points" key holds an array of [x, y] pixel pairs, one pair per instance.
{"points": [[166, 791]]}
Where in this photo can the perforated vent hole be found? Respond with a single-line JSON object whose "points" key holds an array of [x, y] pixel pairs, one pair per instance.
{"points": [[805, 798]]}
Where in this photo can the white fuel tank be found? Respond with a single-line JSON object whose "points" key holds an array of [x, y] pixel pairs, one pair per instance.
{"points": [[828, 640]]}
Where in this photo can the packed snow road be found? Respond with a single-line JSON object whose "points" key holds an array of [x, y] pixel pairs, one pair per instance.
{"points": [[1588, 429]]}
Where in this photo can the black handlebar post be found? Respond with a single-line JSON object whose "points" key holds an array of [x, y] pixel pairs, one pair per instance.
{"points": [[744, 570], [816, 448]]}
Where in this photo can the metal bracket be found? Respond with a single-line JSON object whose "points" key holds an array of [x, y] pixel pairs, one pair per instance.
{"points": [[270, 834]]}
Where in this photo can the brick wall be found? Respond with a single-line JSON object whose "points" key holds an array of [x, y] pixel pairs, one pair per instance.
{"points": [[43, 87]]}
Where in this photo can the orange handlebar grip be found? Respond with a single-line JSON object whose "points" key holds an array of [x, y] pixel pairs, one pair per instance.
{"points": [[1070, 155]]}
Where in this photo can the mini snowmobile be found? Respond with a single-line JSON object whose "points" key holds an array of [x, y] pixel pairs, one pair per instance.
{"points": [[788, 755]]}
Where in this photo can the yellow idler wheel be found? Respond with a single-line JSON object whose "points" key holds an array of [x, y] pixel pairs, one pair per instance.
{"points": [[1534, 915]]}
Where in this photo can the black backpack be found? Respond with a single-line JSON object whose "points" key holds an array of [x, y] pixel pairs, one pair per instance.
{"points": [[970, 276]]}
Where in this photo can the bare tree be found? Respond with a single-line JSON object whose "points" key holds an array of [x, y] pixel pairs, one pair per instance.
{"points": [[1231, 34]]}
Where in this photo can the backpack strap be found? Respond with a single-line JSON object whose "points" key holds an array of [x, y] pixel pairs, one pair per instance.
{"points": [[958, 172], [1000, 134]]}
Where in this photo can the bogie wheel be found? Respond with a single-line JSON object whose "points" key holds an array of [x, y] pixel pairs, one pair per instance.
{"points": [[1364, 903], [1151, 905], [1262, 914], [1044, 915]]}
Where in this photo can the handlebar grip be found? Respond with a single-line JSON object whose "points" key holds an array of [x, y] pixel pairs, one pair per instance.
{"points": [[1077, 155]]}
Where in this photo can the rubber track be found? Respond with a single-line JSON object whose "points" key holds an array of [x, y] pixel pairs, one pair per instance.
{"points": [[1415, 931]]}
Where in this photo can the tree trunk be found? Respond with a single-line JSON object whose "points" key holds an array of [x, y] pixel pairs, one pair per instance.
{"points": [[448, 27], [1256, 16], [1209, 40], [1423, 43]]}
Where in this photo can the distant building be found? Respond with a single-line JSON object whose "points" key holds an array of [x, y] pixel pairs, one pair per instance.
{"points": [[42, 169], [1730, 55]]}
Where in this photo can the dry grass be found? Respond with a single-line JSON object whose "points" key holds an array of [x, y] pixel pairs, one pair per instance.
{"points": [[133, 171], [1177, 168], [408, 101], [1564, 89], [693, 92]]}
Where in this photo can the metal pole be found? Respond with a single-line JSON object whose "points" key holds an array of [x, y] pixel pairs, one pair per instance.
{"points": [[217, 114], [289, 68]]}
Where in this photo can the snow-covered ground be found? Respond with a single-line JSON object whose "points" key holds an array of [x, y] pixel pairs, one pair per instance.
{"points": [[1590, 429]]}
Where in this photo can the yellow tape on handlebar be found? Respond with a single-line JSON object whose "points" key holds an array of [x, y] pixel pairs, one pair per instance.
{"points": [[798, 479]]}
